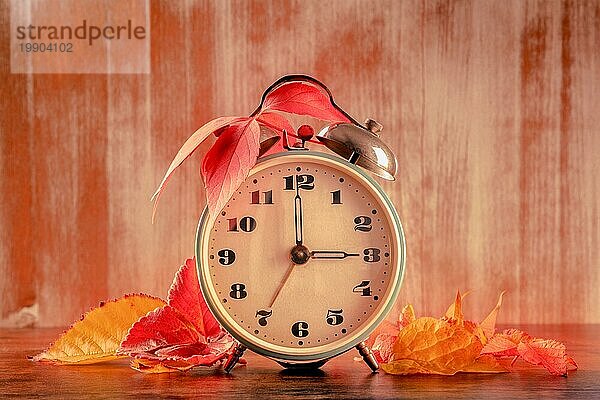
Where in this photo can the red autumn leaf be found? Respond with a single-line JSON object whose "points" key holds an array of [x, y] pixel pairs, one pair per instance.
{"points": [[303, 99], [548, 353], [383, 347], [183, 296], [276, 122], [545, 352], [182, 334], [228, 162], [505, 344], [189, 147]]}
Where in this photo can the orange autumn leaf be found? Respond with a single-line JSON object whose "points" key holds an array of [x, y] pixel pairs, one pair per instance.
{"points": [[453, 344], [485, 364], [488, 325], [431, 346], [406, 316], [382, 340], [97, 336], [450, 312]]}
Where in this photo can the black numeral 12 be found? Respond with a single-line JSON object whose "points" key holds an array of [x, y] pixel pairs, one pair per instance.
{"points": [[304, 182]]}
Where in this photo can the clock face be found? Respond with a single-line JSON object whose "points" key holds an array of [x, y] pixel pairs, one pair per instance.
{"points": [[304, 258]]}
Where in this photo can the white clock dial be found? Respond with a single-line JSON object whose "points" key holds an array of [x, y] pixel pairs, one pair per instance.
{"points": [[303, 257]]}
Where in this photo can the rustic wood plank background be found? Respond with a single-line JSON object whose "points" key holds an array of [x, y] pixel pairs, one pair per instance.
{"points": [[493, 109]]}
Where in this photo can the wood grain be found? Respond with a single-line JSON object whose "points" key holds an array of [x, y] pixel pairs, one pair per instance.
{"points": [[262, 378], [490, 107]]}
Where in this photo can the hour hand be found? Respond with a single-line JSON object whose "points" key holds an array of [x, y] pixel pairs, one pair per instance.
{"points": [[331, 254]]}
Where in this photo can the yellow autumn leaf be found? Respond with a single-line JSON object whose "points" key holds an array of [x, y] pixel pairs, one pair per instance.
{"points": [[97, 336], [431, 346]]}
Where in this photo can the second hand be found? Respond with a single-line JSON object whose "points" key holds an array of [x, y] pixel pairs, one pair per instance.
{"points": [[283, 281]]}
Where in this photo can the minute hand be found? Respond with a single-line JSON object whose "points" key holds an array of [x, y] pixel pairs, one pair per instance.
{"points": [[331, 254]]}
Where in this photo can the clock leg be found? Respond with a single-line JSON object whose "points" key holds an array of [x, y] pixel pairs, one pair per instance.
{"points": [[234, 357], [367, 356]]}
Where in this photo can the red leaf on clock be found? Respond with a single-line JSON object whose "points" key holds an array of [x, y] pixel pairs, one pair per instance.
{"points": [[277, 123], [180, 335], [228, 162], [189, 147], [303, 99]]}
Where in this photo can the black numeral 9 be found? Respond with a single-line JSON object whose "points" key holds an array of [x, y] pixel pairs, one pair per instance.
{"points": [[226, 256], [300, 329], [238, 291]]}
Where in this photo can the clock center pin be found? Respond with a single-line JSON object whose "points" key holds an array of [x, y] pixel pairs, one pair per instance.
{"points": [[300, 254]]}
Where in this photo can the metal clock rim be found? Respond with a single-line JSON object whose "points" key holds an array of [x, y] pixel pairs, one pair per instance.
{"points": [[307, 358]]}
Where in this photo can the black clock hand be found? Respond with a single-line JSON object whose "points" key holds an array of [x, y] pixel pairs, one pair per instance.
{"points": [[298, 216], [331, 254]]}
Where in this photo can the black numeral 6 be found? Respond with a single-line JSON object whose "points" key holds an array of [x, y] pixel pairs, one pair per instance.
{"points": [[300, 329]]}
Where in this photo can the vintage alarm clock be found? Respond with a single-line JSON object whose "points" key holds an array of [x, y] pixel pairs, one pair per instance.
{"points": [[307, 257]]}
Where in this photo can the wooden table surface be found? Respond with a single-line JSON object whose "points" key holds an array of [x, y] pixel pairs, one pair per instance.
{"points": [[339, 378]]}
